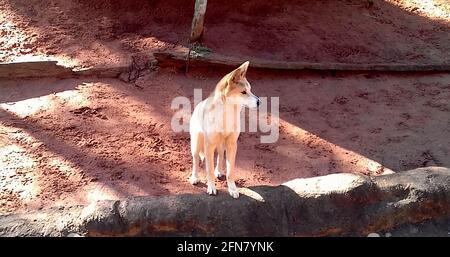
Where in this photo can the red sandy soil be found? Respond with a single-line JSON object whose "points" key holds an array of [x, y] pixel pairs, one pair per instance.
{"points": [[77, 140], [103, 32], [73, 141]]}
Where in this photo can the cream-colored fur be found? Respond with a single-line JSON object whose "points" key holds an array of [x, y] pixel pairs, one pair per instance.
{"points": [[215, 126]]}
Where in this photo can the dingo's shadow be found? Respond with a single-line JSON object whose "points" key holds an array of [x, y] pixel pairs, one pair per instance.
{"points": [[222, 177], [200, 184]]}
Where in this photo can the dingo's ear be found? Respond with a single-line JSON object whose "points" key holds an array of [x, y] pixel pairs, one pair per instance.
{"points": [[240, 72], [244, 66], [228, 82], [228, 87], [224, 87]]}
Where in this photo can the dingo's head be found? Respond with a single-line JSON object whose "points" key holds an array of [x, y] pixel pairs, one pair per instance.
{"points": [[235, 89]]}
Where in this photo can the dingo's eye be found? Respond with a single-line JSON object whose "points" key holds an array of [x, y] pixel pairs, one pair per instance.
{"points": [[244, 92]]}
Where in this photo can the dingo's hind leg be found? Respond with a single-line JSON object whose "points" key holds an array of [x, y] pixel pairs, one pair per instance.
{"points": [[197, 154]]}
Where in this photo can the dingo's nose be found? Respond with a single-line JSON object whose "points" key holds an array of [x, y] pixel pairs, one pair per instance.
{"points": [[258, 102]]}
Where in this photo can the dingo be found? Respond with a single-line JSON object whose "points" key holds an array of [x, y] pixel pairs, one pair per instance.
{"points": [[215, 125]]}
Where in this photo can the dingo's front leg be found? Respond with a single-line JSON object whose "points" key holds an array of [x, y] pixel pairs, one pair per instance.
{"points": [[220, 161], [209, 160], [231, 148]]}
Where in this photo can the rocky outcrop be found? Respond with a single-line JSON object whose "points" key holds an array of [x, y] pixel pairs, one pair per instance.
{"points": [[332, 205]]}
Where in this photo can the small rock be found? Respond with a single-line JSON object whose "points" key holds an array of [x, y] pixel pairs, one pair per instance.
{"points": [[387, 172], [73, 235], [375, 167], [124, 76], [373, 235], [414, 230], [134, 74], [341, 100], [153, 64], [388, 234]]}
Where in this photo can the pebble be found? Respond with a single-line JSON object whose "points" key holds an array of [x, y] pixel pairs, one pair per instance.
{"points": [[373, 235], [73, 235], [414, 230]]}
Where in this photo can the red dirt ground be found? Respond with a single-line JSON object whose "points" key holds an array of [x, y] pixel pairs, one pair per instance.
{"points": [[103, 32], [77, 140], [73, 141]]}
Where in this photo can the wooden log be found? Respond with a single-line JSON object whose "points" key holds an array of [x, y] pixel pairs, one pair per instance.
{"points": [[41, 69], [198, 20], [178, 59], [33, 69]]}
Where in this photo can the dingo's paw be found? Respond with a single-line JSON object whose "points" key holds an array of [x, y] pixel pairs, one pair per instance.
{"points": [[218, 174], [211, 189], [193, 180], [232, 189]]}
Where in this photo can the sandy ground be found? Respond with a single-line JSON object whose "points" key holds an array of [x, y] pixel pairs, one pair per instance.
{"points": [[74, 141], [86, 33], [78, 140]]}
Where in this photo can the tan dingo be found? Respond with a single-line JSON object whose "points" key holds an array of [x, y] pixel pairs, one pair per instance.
{"points": [[215, 125]]}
